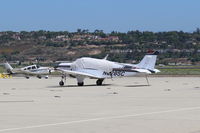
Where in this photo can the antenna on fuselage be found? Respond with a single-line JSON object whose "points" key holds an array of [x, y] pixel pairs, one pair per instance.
{"points": [[105, 58]]}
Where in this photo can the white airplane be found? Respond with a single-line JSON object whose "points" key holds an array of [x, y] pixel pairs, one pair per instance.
{"points": [[101, 69], [29, 70]]}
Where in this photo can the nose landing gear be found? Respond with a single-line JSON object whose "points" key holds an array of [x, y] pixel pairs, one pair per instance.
{"points": [[62, 83]]}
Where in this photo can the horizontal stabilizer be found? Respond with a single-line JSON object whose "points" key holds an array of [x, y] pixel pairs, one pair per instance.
{"points": [[143, 71]]}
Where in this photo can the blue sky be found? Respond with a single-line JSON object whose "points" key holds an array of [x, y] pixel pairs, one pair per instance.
{"points": [[107, 15]]}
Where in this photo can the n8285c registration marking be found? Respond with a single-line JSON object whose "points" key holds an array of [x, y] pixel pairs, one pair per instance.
{"points": [[114, 73]]}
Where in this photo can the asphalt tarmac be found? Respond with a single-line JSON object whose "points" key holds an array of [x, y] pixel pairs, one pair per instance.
{"points": [[125, 105]]}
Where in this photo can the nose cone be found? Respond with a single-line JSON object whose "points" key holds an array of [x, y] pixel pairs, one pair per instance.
{"points": [[51, 70]]}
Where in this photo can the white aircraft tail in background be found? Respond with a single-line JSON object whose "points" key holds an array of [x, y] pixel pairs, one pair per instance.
{"points": [[8, 68], [101, 69]]}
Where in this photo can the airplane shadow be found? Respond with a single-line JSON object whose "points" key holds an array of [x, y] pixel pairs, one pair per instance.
{"points": [[137, 85], [65, 86]]}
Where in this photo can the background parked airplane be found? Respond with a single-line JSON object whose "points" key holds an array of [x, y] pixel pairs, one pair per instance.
{"points": [[29, 70], [101, 69]]}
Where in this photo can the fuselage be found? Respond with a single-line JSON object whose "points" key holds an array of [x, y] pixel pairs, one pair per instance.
{"points": [[101, 67], [35, 70]]}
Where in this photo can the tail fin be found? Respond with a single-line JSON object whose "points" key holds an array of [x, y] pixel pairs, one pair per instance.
{"points": [[149, 61], [8, 68]]}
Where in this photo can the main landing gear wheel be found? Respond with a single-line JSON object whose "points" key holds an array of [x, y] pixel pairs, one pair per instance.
{"points": [[80, 83], [61, 83], [38, 76], [99, 82]]}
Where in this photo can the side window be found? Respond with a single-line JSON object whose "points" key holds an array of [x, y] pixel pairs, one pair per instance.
{"points": [[67, 66], [29, 68], [127, 67]]}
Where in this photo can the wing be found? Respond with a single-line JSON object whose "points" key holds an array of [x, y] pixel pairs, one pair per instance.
{"points": [[84, 72]]}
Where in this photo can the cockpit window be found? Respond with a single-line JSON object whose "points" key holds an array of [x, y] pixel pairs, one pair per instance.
{"points": [[33, 67]]}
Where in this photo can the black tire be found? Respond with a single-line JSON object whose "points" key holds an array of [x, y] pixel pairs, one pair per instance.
{"points": [[61, 83], [80, 84], [99, 82]]}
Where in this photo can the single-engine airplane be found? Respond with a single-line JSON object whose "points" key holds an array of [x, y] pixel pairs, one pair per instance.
{"points": [[101, 69], [32, 70]]}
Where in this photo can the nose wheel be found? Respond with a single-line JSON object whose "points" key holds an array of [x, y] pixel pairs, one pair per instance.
{"points": [[61, 83]]}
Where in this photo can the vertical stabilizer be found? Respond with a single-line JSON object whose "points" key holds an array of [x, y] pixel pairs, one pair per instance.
{"points": [[149, 61]]}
